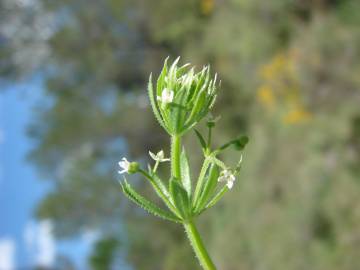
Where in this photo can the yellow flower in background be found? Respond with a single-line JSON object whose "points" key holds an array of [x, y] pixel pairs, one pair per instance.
{"points": [[297, 115], [206, 6], [281, 87], [266, 96], [280, 66], [271, 70]]}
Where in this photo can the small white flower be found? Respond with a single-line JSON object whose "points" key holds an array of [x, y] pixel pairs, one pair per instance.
{"points": [[228, 177], [125, 165], [159, 157], [167, 96]]}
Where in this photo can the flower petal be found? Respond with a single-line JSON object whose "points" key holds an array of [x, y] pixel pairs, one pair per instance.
{"points": [[230, 184], [160, 154], [152, 155]]}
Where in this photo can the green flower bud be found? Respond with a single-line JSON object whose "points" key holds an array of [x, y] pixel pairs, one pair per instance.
{"points": [[128, 167], [183, 97], [133, 168]]}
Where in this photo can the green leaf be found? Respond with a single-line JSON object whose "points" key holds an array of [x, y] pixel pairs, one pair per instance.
{"points": [[208, 188], [159, 183], [185, 172], [176, 116], [154, 104], [200, 179], [198, 105], [146, 204], [172, 72], [212, 101], [180, 198], [201, 139], [182, 70], [176, 105], [217, 197], [214, 200], [160, 190], [239, 143], [160, 81]]}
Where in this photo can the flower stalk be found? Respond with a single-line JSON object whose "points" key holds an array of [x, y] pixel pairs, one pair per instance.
{"points": [[175, 156]]}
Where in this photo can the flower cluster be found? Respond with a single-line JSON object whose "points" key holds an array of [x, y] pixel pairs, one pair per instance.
{"points": [[228, 177], [182, 97]]}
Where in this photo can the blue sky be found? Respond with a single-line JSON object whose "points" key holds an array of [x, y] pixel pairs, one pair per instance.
{"points": [[23, 240]]}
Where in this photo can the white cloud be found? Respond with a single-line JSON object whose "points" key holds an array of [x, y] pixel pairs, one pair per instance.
{"points": [[46, 245], [7, 254], [90, 236], [29, 235], [40, 243]]}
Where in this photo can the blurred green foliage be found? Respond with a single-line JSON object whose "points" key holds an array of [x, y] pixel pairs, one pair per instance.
{"points": [[103, 253], [290, 80]]}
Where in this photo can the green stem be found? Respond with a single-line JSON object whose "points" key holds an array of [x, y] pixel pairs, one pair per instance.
{"points": [[155, 166], [209, 138], [190, 228], [201, 179], [175, 156], [198, 246]]}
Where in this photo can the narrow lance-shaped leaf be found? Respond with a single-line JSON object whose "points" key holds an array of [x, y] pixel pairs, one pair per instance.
{"points": [[201, 139], [146, 204], [176, 108], [185, 100], [185, 172], [154, 104], [180, 198], [199, 102], [161, 185], [212, 102], [160, 82], [201, 180], [214, 200], [181, 70], [172, 72], [209, 187], [201, 80], [217, 197], [160, 190]]}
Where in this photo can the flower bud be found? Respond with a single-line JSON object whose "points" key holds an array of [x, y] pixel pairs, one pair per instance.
{"points": [[182, 97], [133, 168]]}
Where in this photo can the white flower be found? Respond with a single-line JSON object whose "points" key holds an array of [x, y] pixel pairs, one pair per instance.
{"points": [[228, 177], [167, 96], [125, 165], [159, 157]]}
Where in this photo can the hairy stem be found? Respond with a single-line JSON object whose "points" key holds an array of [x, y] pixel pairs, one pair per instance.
{"points": [[198, 246], [175, 156], [191, 231], [209, 138]]}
